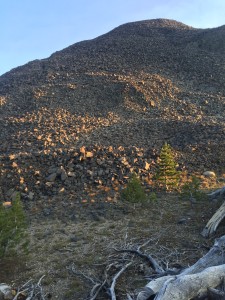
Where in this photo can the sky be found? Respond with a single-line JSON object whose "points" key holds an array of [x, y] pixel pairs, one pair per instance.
{"points": [[34, 29]]}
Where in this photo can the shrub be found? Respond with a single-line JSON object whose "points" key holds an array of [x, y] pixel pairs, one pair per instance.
{"points": [[191, 190], [153, 197], [12, 226], [134, 191], [166, 174]]}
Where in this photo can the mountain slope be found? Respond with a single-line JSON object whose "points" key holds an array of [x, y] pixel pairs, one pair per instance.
{"points": [[121, 95]]}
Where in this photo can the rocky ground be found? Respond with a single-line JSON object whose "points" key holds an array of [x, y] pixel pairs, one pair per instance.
{"points": [[138, 86], [171, 226], [74, 126]]}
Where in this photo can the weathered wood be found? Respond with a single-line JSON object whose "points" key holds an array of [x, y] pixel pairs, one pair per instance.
{"points": [[219, 192], [152, 262], [215, 294], [5, 292], [112, 287], [28, 291], [212, 259], [186, 287], [153, 287], [214, 222], [219, 215]]}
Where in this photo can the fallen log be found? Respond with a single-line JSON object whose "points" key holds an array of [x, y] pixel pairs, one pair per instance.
{"points": [[219, 215], [219, 192], [208, 270], [5, 292], [214, 222], [216, 294], [186, 287]]}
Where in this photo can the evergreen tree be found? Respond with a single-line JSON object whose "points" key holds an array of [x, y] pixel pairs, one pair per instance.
{"points": [[166, 174], [134, 191], [191, 190], [12, 226]]}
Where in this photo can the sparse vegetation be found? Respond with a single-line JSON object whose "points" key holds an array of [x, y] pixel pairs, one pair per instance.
{"points": [[134, 191], [12, 226], [191, 190], [166, 175], [152, 197], [71, 149]]}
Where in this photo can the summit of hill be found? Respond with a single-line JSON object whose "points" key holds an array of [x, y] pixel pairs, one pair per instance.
{"points": [[99, 109]]}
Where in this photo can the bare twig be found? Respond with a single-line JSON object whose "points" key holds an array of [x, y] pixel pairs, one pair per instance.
{"points": [[156, 267], [129, 297], [19, 293], [79, 273], [96, 286], [99, 287], [22, 290], [112, 288], [40, 288], [32, 291], [219, 192], [144, 244]]}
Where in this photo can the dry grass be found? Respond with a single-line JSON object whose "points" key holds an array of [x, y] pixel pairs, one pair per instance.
{"points": [[172, 226]]}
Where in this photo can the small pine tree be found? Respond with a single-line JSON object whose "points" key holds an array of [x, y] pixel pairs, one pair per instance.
{"points": [[12, 226], [191, 190], [134, 191], [166, 174]]}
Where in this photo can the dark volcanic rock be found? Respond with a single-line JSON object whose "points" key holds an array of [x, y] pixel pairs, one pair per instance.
{"points": [[87, 116]]}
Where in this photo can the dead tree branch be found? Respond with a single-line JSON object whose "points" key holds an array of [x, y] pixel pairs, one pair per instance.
{"points": [[217, 193], [152, 262], [96, 290], [112, 287], [99, 286], [219, 215], [217, 293], [185, 287], [29, 291], [208, 270]]}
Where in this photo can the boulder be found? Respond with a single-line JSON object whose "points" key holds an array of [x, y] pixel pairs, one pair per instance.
{"points": [[5, 292], [210, 174]]}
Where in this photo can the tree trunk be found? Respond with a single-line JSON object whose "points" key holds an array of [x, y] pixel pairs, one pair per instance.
{"points": [[185, 287], [214, 222], [206, 272], [219, 192], [219, 215]]}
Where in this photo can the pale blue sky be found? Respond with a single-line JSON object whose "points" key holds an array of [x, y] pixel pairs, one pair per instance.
{"points": [[34, 29]]}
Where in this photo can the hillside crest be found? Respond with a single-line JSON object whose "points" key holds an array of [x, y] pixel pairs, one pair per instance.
{"points": [[118, 97]]}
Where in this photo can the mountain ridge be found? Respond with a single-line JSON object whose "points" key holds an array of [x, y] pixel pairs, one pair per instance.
{"points": [[154, 23], [123, 93]]}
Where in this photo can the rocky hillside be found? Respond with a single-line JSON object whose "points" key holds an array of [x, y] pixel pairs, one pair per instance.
{"points": [[74, 125]]}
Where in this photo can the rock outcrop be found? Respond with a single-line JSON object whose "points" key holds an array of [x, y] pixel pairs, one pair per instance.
{"points": [[81, 120]]}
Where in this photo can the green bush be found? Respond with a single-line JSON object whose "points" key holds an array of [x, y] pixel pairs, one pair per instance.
{"points": [[12, 226], [134, 191], [191, 190], [152, 197], [166, 174]]}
